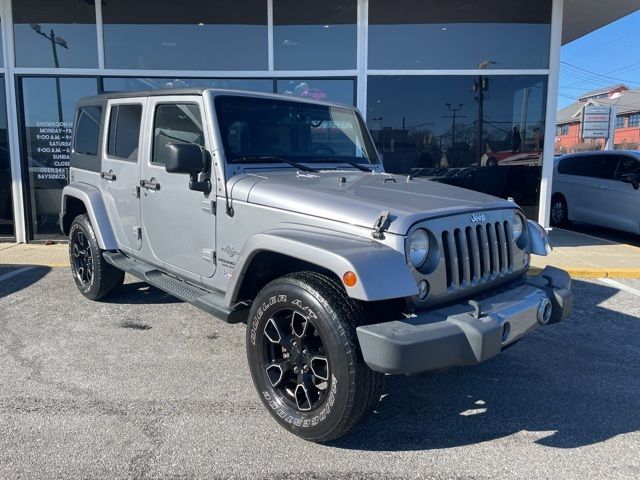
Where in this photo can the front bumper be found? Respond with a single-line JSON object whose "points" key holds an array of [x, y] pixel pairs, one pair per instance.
{"points": [[467, 333]]}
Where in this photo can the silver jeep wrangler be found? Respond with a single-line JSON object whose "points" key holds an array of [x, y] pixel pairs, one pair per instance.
{"points": [[277, 212]]}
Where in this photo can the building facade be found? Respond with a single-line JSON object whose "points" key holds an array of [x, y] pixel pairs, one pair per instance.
{"points": [[449, 90], [626, 103]]}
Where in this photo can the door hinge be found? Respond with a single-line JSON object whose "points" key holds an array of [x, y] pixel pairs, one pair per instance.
{"points": [[135, 191], [209, 255], [208, 206], [137, 232]]}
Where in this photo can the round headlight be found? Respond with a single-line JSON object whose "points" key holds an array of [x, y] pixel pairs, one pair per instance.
{"points": [[418, 247], [517, 227]]}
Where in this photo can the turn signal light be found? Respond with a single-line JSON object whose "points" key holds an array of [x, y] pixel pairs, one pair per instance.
{"points": [[350, 279]]}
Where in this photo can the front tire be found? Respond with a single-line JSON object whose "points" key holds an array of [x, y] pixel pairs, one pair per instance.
{"points": [[94, 277], [305, 360]]}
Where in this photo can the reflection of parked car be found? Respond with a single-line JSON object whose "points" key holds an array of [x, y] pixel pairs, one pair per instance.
{"points": [[508, 157], [600, 188]]}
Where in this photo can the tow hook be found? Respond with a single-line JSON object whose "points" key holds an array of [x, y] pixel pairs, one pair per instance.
{"points": [[544, 312]]}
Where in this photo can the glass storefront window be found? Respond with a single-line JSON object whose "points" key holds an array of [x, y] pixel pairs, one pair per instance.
{"points": [[55, 33], [48, 108], [186, 35], [6, 210], [459, 34], [478, 132], [312, 35], [119, 84], [336, 90]]}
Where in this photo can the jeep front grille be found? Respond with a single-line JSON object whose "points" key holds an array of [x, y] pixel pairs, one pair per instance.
{"points": [[477, 254]]}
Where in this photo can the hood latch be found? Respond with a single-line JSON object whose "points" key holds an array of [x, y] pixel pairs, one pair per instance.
{"points": [[381, 225]]}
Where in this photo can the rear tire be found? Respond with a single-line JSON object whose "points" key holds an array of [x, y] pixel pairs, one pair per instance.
{"points": [[95, 278], [559, 214], [305, 360]]}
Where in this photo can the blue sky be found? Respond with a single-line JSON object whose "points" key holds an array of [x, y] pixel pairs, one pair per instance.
{"points": [[608, 56]]}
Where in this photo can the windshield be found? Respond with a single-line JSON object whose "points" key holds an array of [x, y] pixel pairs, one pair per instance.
{"points": [[258, 129]]}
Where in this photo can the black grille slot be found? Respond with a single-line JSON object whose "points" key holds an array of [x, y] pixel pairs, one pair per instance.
{"points": [[477, 254]]}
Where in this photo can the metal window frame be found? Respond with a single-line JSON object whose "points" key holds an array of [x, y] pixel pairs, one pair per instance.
{"points": [[360, 74]]}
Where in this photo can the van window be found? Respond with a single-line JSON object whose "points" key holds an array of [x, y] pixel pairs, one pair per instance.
{"points": [[87, 130], [627, 165], [124, 132], [175, 123], [597, 166]]}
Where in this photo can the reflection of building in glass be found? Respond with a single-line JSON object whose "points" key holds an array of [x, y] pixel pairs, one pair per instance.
{"points": [[400, 62]]}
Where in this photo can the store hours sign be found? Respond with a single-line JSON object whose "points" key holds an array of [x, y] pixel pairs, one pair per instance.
{"points": [[50, 146]]}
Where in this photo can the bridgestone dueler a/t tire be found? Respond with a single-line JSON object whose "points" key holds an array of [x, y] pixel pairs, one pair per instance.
{"points": [[106, 278], [353, 388]]}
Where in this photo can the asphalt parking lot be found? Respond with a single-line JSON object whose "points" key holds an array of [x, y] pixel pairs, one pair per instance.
{"points": [[144, 386]]}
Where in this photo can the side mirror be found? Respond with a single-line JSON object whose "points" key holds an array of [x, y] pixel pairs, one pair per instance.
{"points": [[191, 159], [632, 178]]}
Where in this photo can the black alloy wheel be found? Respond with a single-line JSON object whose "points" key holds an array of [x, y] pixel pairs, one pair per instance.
{"points": [[82, 258], [296, 360]]}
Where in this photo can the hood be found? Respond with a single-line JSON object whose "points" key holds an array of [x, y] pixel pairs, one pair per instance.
{"points": [[358, 198]]}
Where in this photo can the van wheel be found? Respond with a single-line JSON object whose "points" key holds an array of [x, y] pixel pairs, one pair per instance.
{"points": [[94, 277], [559, 211], [305, 360]]}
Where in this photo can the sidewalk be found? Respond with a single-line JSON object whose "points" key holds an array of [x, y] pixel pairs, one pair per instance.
{"points": [[590, 257], [583, 256]]}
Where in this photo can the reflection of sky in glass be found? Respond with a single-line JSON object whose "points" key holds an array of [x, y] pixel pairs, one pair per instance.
{"points": [[33, 50], [458, 45], [335, 90], [314, 47], [40, 103], [129, 84], [187, 47], [421, 102]]}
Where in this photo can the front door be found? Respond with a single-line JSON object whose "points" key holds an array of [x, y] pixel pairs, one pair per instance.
{"points": [[178, 223], [120, 173]]}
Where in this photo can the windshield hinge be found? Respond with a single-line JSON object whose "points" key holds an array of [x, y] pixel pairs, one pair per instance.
{"points": [[381, 224]]}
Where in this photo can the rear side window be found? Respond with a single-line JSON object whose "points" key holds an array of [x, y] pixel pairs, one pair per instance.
{"points": [[87, 130], [597, 166], [175, 123], [124, 131]]}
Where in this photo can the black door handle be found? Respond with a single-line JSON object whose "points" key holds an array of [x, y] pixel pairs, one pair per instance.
{"points": [[108, 176], [149, 185]]}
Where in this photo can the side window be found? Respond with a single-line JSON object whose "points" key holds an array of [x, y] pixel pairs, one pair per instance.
{"points": [[601, 166], [627, 165], [87, 131], [570, 165], [124, 132], [175, 123], [597, 166]]}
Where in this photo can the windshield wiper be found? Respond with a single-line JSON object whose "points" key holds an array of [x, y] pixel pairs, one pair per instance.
{"points": [[271, 159], [357, 165]]}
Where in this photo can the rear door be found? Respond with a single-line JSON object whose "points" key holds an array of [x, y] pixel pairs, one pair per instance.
{"points": [[622, 200], [120, 175], [179, 224]]}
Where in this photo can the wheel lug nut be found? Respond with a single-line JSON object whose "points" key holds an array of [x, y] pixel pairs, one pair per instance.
{"points": [[285, 355], [295, 369], [305, 368]]}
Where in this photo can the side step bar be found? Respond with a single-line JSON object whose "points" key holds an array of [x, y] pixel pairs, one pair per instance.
{"points": [[210, 302]]}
